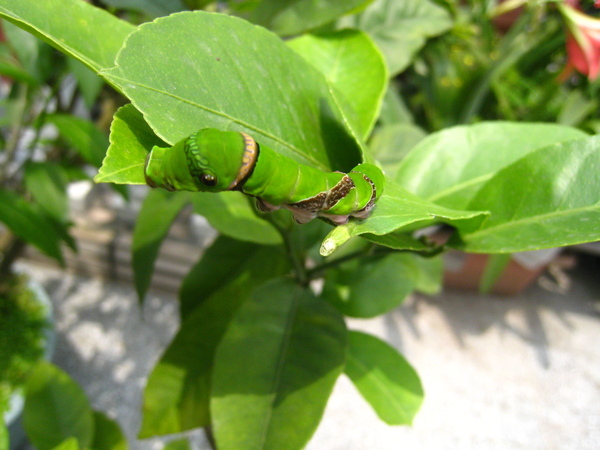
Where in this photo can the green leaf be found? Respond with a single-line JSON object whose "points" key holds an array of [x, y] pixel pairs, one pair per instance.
{"points": [[34, 55], [576, 108], [548, 198], [352, 64], [221, 263], [393, 109], [10, 68], [493, 269], [232, 215], [275, 368], [371, 286], [391, 143], [107, 434], [88, 81], [430, 272], [83, 136], [3, 435], [400, 241], [91, 35], [399, 210], [290, 17], [400, 28], [68, 444], [29, 222], [152, 8], [280, 99], [450, 166], [158, 211], [177, 394], [229, 212], [47, 182], [130, 141], [384, 378], [56, 408], [177, 444]]}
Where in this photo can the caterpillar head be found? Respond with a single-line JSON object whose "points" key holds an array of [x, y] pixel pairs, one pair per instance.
{"points": [[209, 160]]}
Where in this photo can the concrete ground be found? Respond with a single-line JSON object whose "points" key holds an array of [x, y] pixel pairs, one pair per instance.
{"points": [[516, 373]]}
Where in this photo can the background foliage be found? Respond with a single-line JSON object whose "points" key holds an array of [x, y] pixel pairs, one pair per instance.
{"points": [[449, 98]]}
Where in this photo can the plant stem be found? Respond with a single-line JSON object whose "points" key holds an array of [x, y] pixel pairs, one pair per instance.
{"points": [[288, 243], [316, 271], [372, 251], [297, 262]]}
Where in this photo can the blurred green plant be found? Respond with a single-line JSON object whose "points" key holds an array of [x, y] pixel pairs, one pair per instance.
{"points": [[447, 96], [23, 320], [43, 147]]}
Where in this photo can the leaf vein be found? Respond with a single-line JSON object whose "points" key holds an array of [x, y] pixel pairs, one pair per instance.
{"points": [[227, 116]]}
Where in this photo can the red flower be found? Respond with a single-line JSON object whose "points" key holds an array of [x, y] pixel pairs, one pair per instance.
{"points": [[583, 41]]}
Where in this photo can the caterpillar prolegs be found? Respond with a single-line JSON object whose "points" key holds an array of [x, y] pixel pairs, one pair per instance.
{"points": [[211, 160]]}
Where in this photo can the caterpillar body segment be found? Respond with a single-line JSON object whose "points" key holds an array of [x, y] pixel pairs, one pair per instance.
{"points": [[211, 160]]}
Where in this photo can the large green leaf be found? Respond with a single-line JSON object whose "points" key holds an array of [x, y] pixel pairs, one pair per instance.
{"points": [[56, 408], [548, 198], [194, 70], [450, 166], [177, 394], [158, 211], [400, 27], [384, 378], [90, 34], [232, 214], [275, 368], [289, 17], [130, 140], [352, 63], [29, 222]]}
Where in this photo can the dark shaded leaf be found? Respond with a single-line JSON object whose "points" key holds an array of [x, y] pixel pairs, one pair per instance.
{"points": [[277, 363]]}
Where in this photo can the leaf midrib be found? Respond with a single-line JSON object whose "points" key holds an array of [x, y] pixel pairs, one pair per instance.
{"points": [[291, 147], [537, 218], [285, 344]]}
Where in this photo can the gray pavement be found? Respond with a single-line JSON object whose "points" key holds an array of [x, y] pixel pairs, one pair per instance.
{"points": [[499, 373]]}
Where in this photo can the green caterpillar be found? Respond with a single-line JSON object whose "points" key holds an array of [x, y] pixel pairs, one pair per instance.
{"points": [[213, 161]]}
